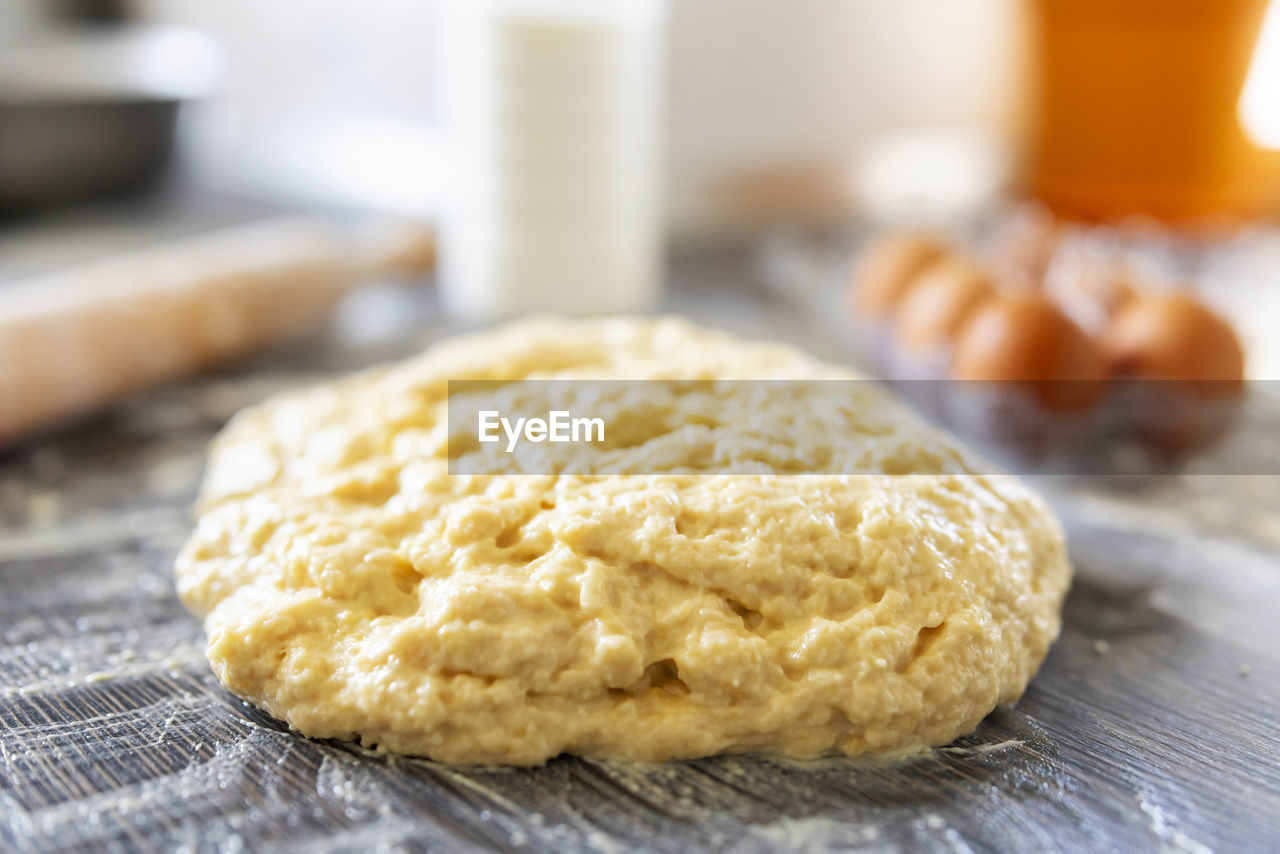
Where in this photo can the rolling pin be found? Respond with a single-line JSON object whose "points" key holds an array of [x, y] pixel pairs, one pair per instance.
{"points": [[74, 341]]}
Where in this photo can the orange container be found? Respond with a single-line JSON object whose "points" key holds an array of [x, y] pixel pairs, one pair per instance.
{"points": [[1138, 110]]}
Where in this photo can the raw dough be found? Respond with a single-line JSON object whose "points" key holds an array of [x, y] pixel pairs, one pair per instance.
{"points": [[354, 588]]}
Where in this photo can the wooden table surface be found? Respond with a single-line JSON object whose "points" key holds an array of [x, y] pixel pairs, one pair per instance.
{"points": [[1153, 726]]}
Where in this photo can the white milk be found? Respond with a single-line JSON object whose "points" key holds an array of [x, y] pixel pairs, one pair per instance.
{"points": [[552, 110]]}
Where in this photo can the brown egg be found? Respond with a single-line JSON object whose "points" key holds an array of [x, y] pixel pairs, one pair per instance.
{"points": [[1174, 336], [1183, 371], [888, 268], [936, 306], [1025, 340]]}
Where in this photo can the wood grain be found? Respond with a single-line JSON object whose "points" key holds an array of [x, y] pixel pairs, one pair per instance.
{"points": [[114, 736]]}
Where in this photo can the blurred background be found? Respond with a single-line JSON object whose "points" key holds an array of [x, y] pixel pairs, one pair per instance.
{"points": [[729, 159], [341, 101]]}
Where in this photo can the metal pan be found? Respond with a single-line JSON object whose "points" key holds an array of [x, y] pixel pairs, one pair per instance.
{"points": [[92, 113]]}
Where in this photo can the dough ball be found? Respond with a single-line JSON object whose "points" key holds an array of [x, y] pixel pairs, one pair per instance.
{"points": [[884, 602]]}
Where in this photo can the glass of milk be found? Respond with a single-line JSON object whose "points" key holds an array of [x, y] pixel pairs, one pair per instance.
{"points": [[552, 111]]}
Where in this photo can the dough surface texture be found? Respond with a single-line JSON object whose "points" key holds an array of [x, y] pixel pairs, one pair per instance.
{"points": [[354, 588]]}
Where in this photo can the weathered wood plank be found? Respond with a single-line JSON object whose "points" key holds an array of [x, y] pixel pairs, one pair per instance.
{"points": [[114, 736]]}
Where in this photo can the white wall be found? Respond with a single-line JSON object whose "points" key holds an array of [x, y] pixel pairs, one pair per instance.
{"points": [[756, 86]]}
